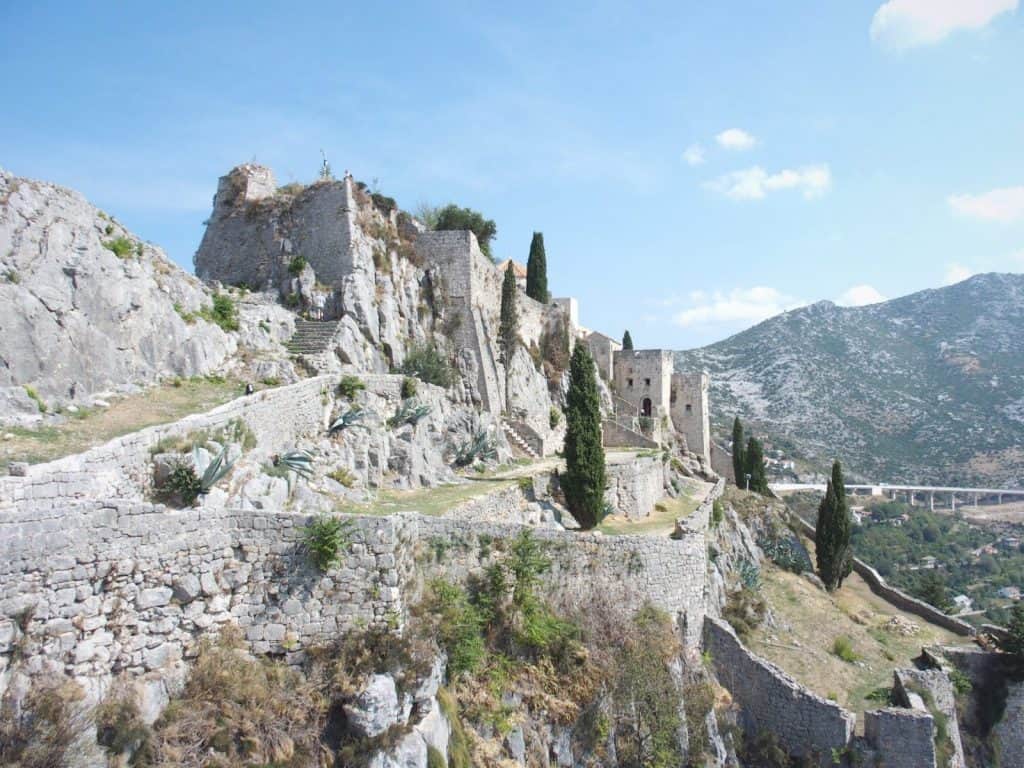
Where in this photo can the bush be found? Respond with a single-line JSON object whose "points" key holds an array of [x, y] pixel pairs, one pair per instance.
{"points": [[763, 750], [460, 627], [478, 447], [744, 610], [182, 485], [454, 217], [42, 732], [408, 387], [324, 540], [1013, 642], [296, 265], [224, 313], [119, 724], [34, 396], [425, 362], [120, 246], [717, 512], [350, 386], [409, 413], [842, 648], [343, 476], [554, 417]]}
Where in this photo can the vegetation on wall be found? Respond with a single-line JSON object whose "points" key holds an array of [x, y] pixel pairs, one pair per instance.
{"points": [[425, 362], [454, 217], [584, 478]]}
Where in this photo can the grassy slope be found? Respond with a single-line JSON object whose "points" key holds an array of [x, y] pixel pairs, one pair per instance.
{"points": [[808, 621], [88, 428]]}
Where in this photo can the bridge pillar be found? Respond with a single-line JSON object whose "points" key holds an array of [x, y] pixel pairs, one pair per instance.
{"points": [[952, 501], [999, 499], [975, 501], [912, 497], [931, 501]]}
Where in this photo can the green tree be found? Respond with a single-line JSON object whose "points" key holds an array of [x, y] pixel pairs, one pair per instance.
{"points": [[932, 589], [584, 478], [537, 270], [1014, 640], [454, 217], [753, 465], [508, 328], [627, 341], [832, 533], [739, 465]]}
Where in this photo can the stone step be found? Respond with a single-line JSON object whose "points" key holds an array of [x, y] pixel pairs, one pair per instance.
{"points": [[517, 440], [311, 337]]}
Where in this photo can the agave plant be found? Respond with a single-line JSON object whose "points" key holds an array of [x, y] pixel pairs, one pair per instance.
{"points": [[349, 418], [409, 413], [299, 461], [478, 447], [215, 470]]}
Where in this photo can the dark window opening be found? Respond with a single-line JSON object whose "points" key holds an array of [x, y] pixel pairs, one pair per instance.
{"points": [[629, 382], [689, 408], [646, 407], [647, 382]]}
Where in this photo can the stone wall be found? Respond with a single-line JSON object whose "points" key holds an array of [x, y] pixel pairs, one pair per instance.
{"points": [[806, 724], [121, 468], [634, 487], [615, 435], [98, 587], [901, 738], [586, 567], [603, 348]]}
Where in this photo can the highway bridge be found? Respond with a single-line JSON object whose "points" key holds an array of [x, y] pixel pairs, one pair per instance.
{"points": [[914, 493]]}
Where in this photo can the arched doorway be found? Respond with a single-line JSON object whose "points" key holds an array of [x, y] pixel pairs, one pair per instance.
{"points": [[645, 407]]}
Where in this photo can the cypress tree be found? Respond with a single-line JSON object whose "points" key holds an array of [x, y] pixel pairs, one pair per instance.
{"points": [[537, 270], [739, 464], [508, 327], [753, 465], [584, 478], [627, 341], [832, 533]]}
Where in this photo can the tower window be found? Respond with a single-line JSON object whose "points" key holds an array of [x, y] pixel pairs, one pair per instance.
{"points": [[689, 408], [647, 382], [629, 382]]}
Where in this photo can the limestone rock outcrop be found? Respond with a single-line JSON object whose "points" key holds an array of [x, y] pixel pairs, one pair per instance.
{"points": [[86, 306]]}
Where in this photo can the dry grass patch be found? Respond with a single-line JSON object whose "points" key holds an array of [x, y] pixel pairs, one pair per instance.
{"points": [[661, 521], [91, 427], [428, 501]]}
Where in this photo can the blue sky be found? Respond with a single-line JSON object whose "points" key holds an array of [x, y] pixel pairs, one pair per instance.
{"points": [[695, 167]]}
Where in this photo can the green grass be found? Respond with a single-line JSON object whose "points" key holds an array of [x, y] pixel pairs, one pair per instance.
{"points": [[662, 520], [88, 428], [428, 501]]}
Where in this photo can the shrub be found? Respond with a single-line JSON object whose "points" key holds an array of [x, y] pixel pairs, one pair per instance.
{"points": [[120, 246], [409, 413], [324, 540], [454, 217], [408, 387], [460, 627], [236, 710], [182, 485], [1013, 641], [34, 395], [223, 312], [350, 386], [744, 610], [119, 724], [350, 418], [763, 750], [296, 265], [343, 476], [554, 417], [298, 461], [717, 512], [842, 648], [425, 362], [42, 732], [435, 759], [479, 447]]}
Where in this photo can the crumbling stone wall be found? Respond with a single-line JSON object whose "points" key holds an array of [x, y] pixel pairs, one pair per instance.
{"points": [[806, 724], [901, 738], [121, 468]]}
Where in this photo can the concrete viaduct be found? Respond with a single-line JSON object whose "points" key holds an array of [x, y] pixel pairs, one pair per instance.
{"points": [[911, 492]]}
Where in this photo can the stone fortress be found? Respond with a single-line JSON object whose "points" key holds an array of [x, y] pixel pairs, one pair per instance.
{"points": [[98, 581]]}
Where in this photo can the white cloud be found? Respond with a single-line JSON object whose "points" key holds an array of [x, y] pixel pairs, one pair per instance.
{"points": [[735, 139], [746, 305], [694, 154], [1003, 205], [754, 183], [957, 273], [909, 23], [859, 296]]}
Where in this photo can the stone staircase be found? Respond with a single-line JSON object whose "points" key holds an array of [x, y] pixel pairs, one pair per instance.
{"points": [[312, 337], [517, 441]]}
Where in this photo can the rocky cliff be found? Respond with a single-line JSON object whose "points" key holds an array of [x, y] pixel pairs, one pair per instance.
{"points": [[86, 306]]}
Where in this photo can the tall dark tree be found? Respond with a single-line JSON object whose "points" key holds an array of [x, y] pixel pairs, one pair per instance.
{"points": [[754, 465], [932, 589], [832, 533], [537, 270], [627, 341], [739, 466], [508, 327], [584, 478], [1013, 642]]}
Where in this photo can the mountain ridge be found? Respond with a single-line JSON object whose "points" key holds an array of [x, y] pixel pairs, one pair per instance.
{"points": [[923, 388]]}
